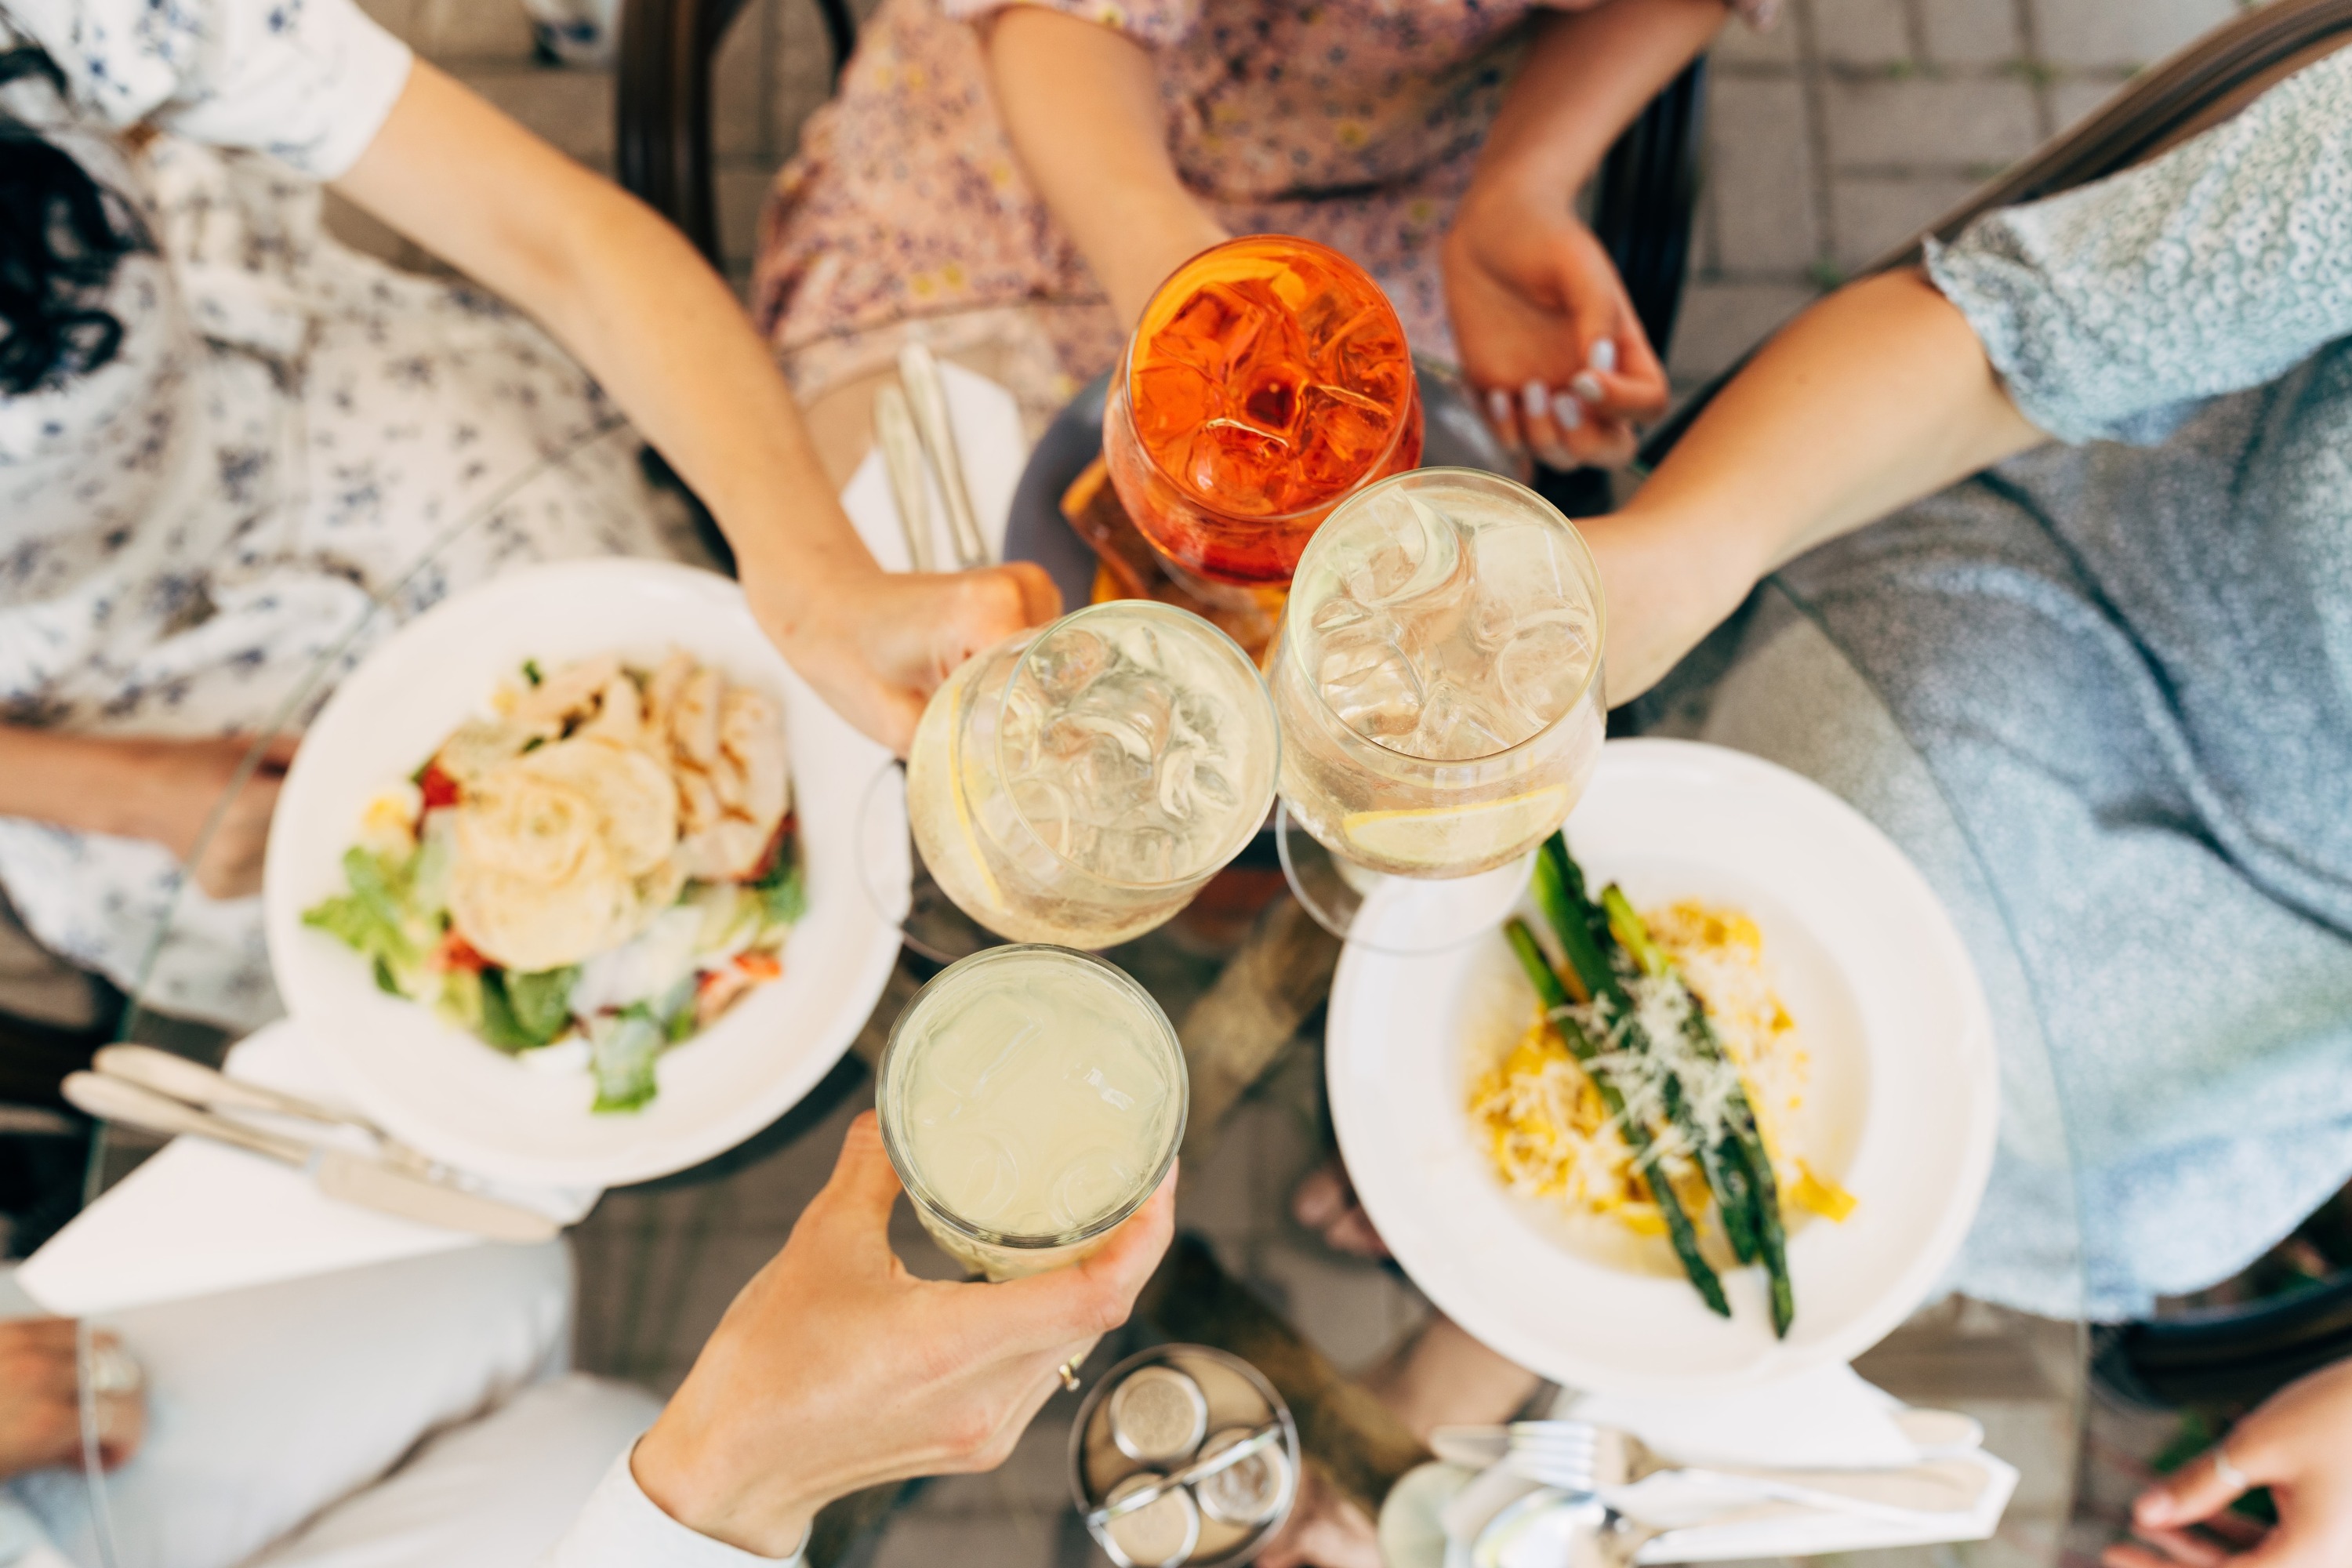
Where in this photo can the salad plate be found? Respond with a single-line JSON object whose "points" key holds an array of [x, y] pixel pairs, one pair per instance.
{"points": [[1897, 1109], [413, 1070]]}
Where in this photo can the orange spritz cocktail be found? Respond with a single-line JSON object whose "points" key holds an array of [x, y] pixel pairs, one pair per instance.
{"points": [[1268, 379]]}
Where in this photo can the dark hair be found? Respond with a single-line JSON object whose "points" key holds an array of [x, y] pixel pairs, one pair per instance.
{"points": [[61, 236]]}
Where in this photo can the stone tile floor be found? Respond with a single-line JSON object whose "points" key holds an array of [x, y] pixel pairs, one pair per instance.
{"points": [[1830, 139]]}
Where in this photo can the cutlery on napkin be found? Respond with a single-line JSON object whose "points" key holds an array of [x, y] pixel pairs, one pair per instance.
{"points": [[1819, 1463], [372, 1181], [198, 1217], [992, 450]]}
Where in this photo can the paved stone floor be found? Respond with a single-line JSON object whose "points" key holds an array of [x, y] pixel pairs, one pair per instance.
{"points": [[1830, 140]]}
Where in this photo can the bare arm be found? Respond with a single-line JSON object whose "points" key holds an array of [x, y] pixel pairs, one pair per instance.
{"points": [[1876, 397], [626, 293], [1532, 294], [1081, 103]]}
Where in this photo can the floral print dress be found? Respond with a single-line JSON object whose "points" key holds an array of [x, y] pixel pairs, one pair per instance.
{"points": [[194, 536], [1356, 123]]}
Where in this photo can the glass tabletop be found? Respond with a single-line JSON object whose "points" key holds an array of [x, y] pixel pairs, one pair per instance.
{"points": [[1770, 684]]}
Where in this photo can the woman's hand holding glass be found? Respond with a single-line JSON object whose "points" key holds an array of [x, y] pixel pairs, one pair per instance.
{"points": [[836, 1369], [876, 644]]}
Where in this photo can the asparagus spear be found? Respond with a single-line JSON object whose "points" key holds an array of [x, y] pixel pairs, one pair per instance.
{"points": [[1559, 890], [1743, 1144], [1725, 1168], [1679, 1230]]}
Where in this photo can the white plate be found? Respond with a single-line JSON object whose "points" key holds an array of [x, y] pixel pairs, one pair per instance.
{"points": [[442, 1089], [1902, 1101]]}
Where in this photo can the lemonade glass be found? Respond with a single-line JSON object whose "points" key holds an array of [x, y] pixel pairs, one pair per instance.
{"points": [[1031, 1099], [1268, 379], [1438, 682], [1078, 784]]}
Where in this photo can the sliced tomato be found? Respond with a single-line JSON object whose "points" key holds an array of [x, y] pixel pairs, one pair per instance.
{"points": [[760, 964], [438, 787], [457, 953]]}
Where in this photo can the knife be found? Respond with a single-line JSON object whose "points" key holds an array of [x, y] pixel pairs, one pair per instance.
{"points": [[208, 1089], [339, 1172], [902, 459], [927, 396]]}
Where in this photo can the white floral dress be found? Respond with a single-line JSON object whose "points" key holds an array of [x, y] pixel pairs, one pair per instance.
{"points": [[289, 434]]}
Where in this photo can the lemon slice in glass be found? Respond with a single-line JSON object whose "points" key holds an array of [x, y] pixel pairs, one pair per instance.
{"points": [[1453, 840]]}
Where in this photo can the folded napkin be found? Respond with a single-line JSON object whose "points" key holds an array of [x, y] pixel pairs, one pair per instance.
{"points": [[198, 1216], [1828, 1419], [987, 422]]}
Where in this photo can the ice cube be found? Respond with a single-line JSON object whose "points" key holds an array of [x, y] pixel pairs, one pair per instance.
{"points": [[1212, 330], [1178, 769], [1172, 399], [1457, 726], [1371, 685], [1089, 1187], [1409, 553], [1140, 854], [974, 1170], [975, 1049], [1270, 401], [1340, 435], [1068, 661], [1543, 668]]}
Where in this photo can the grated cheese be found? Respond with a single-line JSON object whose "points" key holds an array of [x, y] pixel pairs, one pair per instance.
{"points": [[1542, 1118]]}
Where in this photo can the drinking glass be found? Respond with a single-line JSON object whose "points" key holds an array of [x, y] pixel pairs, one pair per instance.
{"points": [[1438, 681], [1031, 1099], [1268, 378], [1078, 784]]}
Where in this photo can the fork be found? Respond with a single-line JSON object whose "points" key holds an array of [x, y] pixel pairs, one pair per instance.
{"points": [[1579, 1457]]}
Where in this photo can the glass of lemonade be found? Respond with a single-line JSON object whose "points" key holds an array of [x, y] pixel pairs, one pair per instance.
{"points": [[1438, 681], [1079, 784], [1268, 378], [1031, 1097]]}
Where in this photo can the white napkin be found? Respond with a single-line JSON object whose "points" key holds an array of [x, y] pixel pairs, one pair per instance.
{"points": [[1826, 1419], [987, 422], [199, 1217]]}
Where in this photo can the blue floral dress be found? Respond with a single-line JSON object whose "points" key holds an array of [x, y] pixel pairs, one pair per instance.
{"points": [[2107, 704], [286, 434]]}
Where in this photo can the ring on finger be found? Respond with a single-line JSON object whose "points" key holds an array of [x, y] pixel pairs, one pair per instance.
{"points": [[2236, 1480], [111, 1370]]}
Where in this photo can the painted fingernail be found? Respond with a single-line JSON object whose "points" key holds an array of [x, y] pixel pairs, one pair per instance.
{"points": [[1566, 411], [1534, 398], [1603, 357], [1499, 410], [1559, 458], [1587, 385]]}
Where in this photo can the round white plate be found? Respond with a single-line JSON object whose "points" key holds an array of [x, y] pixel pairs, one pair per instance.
{"points": [[445, 1092], [1902, 1104]]}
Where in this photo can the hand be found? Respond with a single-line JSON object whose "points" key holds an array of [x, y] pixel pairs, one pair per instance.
{"points": [[178, 785], [878, 645], [40, 1405], [1547, 336], [1325, 1529], [836, 1369], [2299, 1445], [1325, 1203]]}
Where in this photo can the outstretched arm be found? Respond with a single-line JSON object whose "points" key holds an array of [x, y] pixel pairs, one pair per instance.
{"points": [[1878, 395], [1532, 294], [625, 292], [1081, 103]]}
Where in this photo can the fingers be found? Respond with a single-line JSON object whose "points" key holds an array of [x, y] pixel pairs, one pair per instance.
{"points": [[1322, 1197], [864, 1185], [1041, 599], [2198, 1491], [2136, 1554], [1092, 1297], [1503, 418]]}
